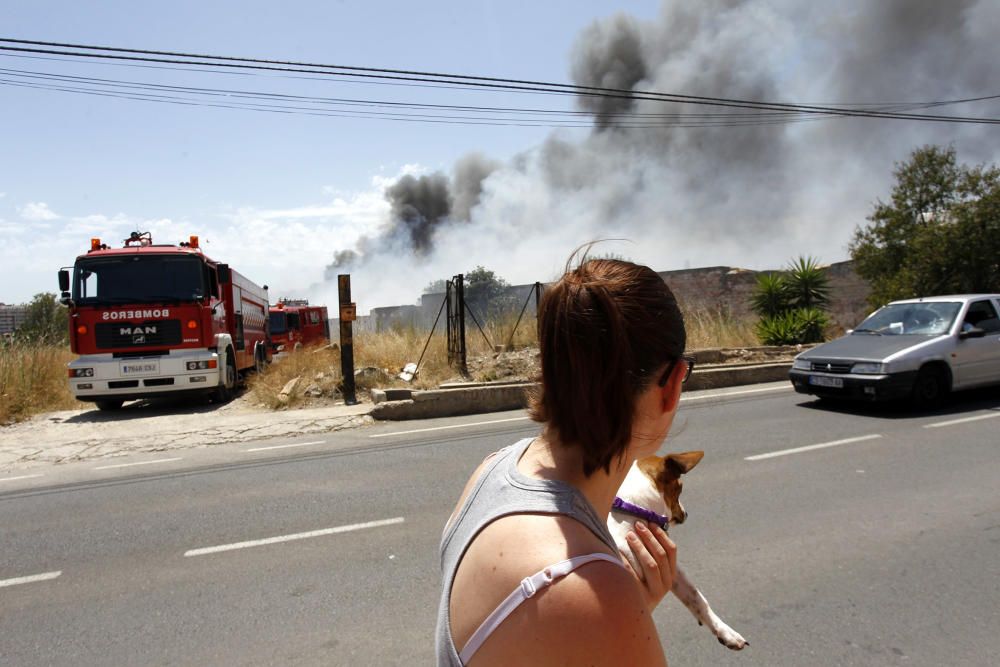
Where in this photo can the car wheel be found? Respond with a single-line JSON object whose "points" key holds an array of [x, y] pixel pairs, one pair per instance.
{"points": [[930, 388], [112, 404]]}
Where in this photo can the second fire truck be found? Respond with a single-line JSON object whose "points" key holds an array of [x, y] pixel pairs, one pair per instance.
{"points": [[295, 323]]}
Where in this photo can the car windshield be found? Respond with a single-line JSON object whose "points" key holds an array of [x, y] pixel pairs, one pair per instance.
{"points": [[138, 279], [278, 324], [924, 319]]}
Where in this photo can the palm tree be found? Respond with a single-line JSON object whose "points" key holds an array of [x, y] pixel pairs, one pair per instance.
{"points": [[807, 284]]}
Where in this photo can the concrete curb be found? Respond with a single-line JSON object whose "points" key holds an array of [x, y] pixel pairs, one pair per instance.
{"points": [[464, 400], [471, 398]]}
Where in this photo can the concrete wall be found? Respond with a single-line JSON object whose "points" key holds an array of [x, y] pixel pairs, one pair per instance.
{"points": [[719, 288]]}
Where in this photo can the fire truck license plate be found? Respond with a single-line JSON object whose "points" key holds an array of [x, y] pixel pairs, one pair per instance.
{"points": [[141, 368]]}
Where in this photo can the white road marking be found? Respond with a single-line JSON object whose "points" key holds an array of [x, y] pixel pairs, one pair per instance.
{"points": [[964, 420], [140, 463], [297, 444], [733, 393], [11, 479], [296, 536], [809, 448], [442, 428], [29, 580]]}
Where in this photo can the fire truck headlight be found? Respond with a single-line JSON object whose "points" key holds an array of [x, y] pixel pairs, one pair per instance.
{"points": [[200, 365], [81, 372]]}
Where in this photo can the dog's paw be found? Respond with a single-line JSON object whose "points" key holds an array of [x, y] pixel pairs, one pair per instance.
{"points": [[731, 639]]}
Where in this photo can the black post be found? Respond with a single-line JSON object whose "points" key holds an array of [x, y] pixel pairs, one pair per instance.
{"points": [[348, 312], [460, 293]]}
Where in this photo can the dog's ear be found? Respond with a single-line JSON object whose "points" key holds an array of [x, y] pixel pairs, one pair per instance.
{"points": [[679, 464]]}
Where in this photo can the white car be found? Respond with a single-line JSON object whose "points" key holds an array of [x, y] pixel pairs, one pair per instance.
{"points": [[917, 349]]}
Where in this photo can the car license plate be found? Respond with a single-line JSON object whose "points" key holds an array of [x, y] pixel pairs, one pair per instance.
{"points": [[140, 368], [822, 381]]}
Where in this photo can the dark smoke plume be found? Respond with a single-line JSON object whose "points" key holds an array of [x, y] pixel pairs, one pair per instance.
{"points": [[419, 204], [609, 55], [420, 207]]}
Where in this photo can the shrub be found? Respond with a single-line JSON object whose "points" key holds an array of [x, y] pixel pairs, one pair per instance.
{"points": [[801, 325], [792, 304]]}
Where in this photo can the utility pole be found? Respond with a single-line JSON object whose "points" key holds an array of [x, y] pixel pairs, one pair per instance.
{"points": [[348, 313]]}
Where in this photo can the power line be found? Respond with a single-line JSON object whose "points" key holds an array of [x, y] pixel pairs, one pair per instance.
{"points": [[509, 85], [120, 85]]}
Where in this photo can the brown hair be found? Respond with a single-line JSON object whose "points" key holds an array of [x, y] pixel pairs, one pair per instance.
{"points": [[604, 330]]}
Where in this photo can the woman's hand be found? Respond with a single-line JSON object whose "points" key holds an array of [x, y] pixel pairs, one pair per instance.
{"points": [[657, 556]]}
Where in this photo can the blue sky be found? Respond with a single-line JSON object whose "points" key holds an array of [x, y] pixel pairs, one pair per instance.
{"points": [[100, 159], [276, 195]]}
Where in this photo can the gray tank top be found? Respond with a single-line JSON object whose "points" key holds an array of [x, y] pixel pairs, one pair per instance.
{"points": [[500, 491]]}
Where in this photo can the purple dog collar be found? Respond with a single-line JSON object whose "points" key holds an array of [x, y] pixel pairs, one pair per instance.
{"points": [[640, 512]]}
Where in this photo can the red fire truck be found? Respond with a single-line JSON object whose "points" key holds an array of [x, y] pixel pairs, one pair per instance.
{"points": [[295, 323], [160, 320]]}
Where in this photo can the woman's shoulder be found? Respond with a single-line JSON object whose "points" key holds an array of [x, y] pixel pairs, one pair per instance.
{"points": [[602, 605], [596, 614]]}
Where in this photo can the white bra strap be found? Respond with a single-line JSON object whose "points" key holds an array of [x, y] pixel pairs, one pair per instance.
{"points": [[529, 586]]}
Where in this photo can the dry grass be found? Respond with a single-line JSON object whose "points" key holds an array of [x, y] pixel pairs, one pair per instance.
{"points": [[33, 380], [716, 328], [33, 377], [379, 357]]}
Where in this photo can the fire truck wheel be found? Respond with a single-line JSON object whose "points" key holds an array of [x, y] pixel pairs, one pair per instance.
{"points": [[224, 392], [259, 362], [109, 404]]}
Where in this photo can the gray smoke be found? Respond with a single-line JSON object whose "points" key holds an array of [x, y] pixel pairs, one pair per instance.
{"points": [[467, 185], [708, 185], [343, 262]]}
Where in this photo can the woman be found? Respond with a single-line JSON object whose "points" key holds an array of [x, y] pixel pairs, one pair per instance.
{"points": [[611, 337]]}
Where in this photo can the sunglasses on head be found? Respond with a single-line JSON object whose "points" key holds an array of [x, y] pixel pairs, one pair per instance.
{"points": [[688, 359]]}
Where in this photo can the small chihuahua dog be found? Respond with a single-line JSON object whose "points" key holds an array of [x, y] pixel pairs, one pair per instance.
{"points": [[651, 493]]}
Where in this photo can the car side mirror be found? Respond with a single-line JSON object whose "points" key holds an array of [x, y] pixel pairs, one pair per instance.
{"points": [[971, 332]]}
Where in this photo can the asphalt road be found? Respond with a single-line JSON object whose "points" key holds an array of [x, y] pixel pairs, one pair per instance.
{"points": [[879, 547]]}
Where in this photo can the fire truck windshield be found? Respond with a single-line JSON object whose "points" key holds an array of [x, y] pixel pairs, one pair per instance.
{"points": [[139, 279], [278, 323]]}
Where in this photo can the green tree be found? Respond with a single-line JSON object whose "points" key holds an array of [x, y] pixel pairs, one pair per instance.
{"points": [[487, 293], [939, 232], [436, 286], [46, 322]]}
